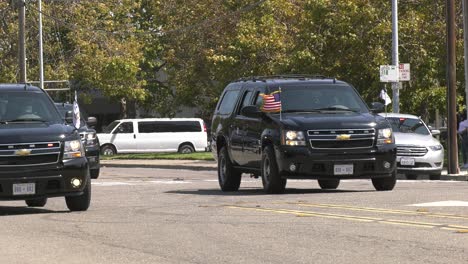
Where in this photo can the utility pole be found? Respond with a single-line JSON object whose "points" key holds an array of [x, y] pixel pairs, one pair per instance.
{"points": [[451, 90], [22, 41], [41, 56], [395, 61], [465, 43]]}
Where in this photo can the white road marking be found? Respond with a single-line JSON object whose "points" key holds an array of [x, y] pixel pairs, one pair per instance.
{"points": [[443, 204]]}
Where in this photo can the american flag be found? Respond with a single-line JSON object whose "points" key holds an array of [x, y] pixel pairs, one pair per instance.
{"points": [[272, 102]]}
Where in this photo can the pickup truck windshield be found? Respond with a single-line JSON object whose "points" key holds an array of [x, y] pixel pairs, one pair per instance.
{"points": [[27, 106], [317, 98]]}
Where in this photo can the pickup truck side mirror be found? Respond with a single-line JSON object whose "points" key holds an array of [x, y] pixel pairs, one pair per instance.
{"points": [[377, 107], [69, 117], [92, 121], [251, 111]]}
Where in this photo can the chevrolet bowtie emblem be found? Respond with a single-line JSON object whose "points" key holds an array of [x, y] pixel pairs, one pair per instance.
{"points": [[343, 137], [23, 152]]}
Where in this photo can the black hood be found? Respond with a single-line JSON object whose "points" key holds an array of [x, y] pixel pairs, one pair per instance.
{"points": [[330, 120], [36, 132]]}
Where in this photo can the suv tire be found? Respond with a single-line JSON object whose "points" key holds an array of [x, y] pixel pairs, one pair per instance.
{"points": [[38, 202], [94, 173], [330, 184], [82, 202], [271, 178], [385, 184], [228, 177]]}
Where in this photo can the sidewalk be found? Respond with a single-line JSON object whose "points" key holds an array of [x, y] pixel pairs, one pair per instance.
{"points": [[212, 166]]}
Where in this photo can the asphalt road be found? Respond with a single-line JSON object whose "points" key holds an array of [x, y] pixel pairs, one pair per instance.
{"points": [[177, 216]]}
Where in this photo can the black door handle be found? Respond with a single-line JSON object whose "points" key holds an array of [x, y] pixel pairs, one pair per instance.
{"points": [[134, 136]]}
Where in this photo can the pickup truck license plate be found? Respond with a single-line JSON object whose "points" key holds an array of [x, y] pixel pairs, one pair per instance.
{"points": [[24, 188], [343, 169], [407, 162]]}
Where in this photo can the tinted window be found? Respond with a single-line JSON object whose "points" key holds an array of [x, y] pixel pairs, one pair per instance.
{"points": [[258, 100], [408, 125], [126, 127], [168, 126], [110, 127], [245, 100], [318, 96], [227, 103], [27, 106]]}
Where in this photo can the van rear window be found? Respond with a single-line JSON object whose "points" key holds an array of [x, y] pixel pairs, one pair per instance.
{"points": [[169, 126]]}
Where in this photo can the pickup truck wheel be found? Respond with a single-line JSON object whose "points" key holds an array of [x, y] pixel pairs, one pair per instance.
{"points": [[82, 202], [38, 202], [385, 184], [271, 178], [94, 173], [329, 184], [228, 177]]}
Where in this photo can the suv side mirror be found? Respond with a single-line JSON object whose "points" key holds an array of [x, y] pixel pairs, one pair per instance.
{"points": [[251, 111], [435, 132], [92, 121], [377, 107], [69, 117]]}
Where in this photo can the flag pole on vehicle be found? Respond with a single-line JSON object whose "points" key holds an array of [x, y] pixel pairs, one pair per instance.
{"points": [[76, 112], [384, 96]]}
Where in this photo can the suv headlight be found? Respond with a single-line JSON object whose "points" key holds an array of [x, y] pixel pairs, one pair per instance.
{"points": [[436, 147], [91, 138], [385, 136], [293, 138], [73, 149]]}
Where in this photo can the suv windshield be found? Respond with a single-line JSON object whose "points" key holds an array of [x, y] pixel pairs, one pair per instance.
{"points": [[408, 125], [27, 106], [323, 97]]}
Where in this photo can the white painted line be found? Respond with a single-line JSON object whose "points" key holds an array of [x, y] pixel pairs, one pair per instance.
{"points": [[443, 204]]}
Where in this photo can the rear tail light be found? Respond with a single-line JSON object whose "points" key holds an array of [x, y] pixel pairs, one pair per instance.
{"points": [[204, 127]]}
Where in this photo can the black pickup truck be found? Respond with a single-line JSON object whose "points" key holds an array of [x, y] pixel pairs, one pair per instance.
{"points": [[41, 156], [322, 130]]}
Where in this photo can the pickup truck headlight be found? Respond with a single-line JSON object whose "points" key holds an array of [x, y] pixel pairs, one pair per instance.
{"points": [[385, 136], [73, 149], [436, 147], [293, 138]]}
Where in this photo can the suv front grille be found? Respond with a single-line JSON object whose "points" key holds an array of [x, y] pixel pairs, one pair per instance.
{"points": [[29, 154], [341, 138], [413, 151]]}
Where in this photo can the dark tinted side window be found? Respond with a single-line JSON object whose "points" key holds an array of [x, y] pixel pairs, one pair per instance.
{"points": [[228, 102], [126, 127], [168, 126], [245, 100], [259, 100]]}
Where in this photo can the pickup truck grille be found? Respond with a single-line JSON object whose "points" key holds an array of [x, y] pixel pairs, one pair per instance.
{"points": [[29, 154], [341, 138], [413, 151]]}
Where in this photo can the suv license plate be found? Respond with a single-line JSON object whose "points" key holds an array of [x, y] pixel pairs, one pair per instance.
{"points": [[343, 169], [407, 162], [24, 188]]}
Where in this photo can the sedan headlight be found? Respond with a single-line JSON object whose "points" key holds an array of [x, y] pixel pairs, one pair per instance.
{"points": [[436, 147], [385, 136], [73, 149], [293, 138]]}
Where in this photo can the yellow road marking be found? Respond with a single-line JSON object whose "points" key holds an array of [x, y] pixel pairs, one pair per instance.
{"points": [[460, 229], [381, 210]]}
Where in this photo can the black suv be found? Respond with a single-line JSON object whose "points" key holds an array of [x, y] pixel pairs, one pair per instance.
{"points": [[40, 155], [324, 131], [88, 137]]}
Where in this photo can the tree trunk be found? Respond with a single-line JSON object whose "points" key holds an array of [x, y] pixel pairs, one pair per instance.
{"points": [[123, 108]]}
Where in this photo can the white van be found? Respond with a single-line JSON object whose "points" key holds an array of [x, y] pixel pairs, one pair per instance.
{"points": [[183, 135]]}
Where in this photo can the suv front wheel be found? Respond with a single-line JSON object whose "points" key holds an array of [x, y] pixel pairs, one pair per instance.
{"points": [[228, 177], [385, 184], [271, 178]]}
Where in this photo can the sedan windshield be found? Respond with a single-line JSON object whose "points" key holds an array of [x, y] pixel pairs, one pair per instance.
{"points": [[408, 125], [27, 106], [318, 98]]}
